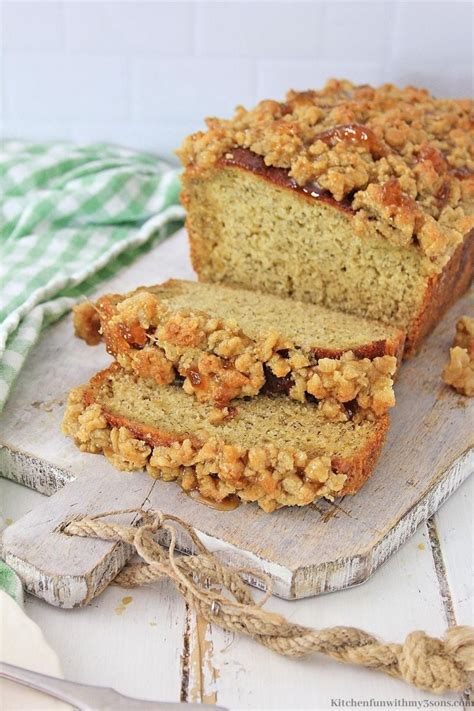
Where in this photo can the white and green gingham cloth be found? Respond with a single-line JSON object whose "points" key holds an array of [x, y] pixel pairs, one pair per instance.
{"points": [[70, 217]]}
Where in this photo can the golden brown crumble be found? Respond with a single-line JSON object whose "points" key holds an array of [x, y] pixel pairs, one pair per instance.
{"points": [[86, 322], [88, 425], [459, 371], [404, 159], [219, 362], [465, 333], [270, 476]]}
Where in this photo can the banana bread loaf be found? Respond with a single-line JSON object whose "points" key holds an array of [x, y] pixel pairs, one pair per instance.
{"points": [[228, 343], [275, 451], [356, 198]]}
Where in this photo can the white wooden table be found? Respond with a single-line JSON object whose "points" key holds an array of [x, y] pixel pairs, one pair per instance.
{"points": [[145, 642]]}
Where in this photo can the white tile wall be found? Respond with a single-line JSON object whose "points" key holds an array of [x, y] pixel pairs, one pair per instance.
{"points": [[145, 73], [55, 85], [188, 89], [358, 31], [164, 29], [32, 26], [270, 30]]}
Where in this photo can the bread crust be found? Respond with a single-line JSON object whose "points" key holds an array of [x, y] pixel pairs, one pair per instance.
{"points": [[442, 291], [356, 470]]}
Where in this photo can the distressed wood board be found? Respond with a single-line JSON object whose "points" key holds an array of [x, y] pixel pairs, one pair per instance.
{"points": [[157, 647], [309, 551]]}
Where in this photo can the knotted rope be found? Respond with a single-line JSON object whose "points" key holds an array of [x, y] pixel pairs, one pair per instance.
{"points": [[425, 662]]}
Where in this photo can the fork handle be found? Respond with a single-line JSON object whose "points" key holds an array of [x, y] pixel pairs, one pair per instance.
{"points": [[90, 698]]}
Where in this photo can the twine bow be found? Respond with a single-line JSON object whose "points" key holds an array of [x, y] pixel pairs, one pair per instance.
{"points": [[218, 593]]}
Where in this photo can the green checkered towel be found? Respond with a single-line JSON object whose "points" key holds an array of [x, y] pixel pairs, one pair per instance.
{"points": [[70, 217], [10, 582]]}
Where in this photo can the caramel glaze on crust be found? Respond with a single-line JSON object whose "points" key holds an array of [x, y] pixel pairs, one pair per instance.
{"points": [[356, 470], [246, 160]]}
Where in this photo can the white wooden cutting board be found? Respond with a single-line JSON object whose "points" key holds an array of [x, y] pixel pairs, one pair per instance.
{"points": [[308, 551]]}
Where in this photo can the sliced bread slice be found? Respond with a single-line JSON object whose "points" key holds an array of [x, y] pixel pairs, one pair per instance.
{"points": [[228, 343], [275, 451]]}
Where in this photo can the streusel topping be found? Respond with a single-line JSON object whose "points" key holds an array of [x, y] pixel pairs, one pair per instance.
{"points": [[219, 362], [403, 159], [459, 371]]}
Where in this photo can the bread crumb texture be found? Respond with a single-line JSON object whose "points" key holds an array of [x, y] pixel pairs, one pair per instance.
{"points": [[459, 371], [401, 158], [276, 462], [218, 362]]}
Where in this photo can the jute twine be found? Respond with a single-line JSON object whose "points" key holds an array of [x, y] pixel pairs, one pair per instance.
{"points": [[218, 593]]}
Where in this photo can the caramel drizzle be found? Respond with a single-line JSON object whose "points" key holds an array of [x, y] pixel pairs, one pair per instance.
{"points": [[230, 503], [244, 158], [356, 134]]}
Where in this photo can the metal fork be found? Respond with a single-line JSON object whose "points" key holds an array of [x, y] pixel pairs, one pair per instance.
{"points": [[91, 698]]}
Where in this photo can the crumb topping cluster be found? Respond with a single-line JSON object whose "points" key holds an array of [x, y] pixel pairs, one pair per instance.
{"points": [[270, 476], [459, 371], [219, 362], [403, 159]]}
